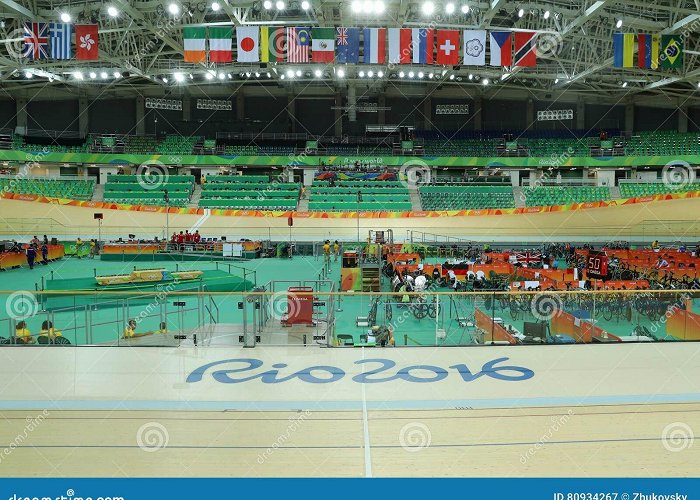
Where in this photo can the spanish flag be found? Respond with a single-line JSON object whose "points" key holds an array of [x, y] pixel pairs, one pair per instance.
{"points": [[623, 50], [648, 51]]}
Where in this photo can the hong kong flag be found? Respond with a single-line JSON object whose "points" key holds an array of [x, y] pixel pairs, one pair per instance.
{"points": [[86, 42], [447, 47]]}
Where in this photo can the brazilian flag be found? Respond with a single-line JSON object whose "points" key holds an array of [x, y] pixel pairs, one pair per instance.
{"points": [[671, 51]]}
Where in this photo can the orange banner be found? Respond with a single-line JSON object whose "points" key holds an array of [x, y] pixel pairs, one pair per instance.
{"points": [[350, 215]]}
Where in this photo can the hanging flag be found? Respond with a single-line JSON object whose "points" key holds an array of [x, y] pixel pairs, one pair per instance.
{"points": [[347, 45], [448, 47], [60, 40], [86, 42], [422, 43], [399, 45], [247, 44], [525, 45], [375, 45], [501, 53], [273, 44], [220, 49], [474, 47], [648, 50], [671, 51], [623, 50], [195, 43], [323, 45], [36, 41], [298, 43]]}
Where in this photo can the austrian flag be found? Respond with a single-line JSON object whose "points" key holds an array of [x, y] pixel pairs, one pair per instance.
{"points": [[86, 42]]}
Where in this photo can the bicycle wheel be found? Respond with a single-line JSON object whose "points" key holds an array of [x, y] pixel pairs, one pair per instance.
{"points": [[388, 312], [432, 310], [420, 310]]}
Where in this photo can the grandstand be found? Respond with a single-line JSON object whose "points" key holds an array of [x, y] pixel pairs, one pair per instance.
{"points": [[248, 192], [466, 197], [73, 189], [144, 190], [367, 196]]}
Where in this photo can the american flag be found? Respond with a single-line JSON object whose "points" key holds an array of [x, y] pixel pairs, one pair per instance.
{"points": [[342, 36], [36, 41], [61, 37], [298, 42]]}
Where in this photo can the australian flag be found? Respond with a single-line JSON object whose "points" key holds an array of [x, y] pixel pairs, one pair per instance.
{"points": [[36, 41], [61, 35], [347, 45]]}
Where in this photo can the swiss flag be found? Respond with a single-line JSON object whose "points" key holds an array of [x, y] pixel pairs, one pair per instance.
{"points": [[448, 47], [86, 42]]}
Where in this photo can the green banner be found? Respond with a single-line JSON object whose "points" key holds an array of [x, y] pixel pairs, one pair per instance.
{"points": [[102, 159]]}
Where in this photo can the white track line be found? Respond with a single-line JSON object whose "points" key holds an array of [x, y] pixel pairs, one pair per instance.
{"points": [[365, 427]]}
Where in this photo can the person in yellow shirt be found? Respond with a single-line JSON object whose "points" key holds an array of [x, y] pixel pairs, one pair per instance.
{"points": [[22, 334], [336, 250], [130, 330], [48, 334], [327, 253], [78, 247]]}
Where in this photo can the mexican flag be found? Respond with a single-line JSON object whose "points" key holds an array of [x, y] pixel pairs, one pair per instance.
{"points": [[323, 44], [194, 42], [220, 44], [273, 44]]}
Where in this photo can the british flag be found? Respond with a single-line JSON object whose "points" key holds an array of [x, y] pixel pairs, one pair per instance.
{"points": [[36, 41], [526, 258], [342, 36]]}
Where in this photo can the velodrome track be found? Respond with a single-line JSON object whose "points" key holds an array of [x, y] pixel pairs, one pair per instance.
{"points": [[577, 410], [670, 219]]}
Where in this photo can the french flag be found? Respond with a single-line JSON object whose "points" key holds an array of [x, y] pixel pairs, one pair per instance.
{"points": [[375, 45], [400, 40], [501, 48], [422, 43]]}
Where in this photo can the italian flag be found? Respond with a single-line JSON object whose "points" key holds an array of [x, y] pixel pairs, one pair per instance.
{"points": [[220, 44], [273, 44], [323, 44], [194, 41]]}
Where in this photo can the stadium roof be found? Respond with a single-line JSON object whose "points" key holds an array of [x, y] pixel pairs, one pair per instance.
{"points": [[141, 46]]}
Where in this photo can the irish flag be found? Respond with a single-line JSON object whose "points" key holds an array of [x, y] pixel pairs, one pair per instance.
{"points": [[323, 44], [220, 44], [194, 41]]}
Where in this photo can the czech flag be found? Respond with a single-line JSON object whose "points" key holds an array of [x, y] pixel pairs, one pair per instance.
{"points": [[501, 48]]}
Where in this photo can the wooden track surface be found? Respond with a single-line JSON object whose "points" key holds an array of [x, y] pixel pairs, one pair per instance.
{"points": [[579, 441]]}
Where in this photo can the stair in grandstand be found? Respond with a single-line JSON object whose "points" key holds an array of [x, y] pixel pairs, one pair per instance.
{"points": [[98, 194], [519, 197], [414, 195], [196, 196], [615, 193]]}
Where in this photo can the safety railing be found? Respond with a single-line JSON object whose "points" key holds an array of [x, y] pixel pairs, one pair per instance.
{"points": [[312, 313]]}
